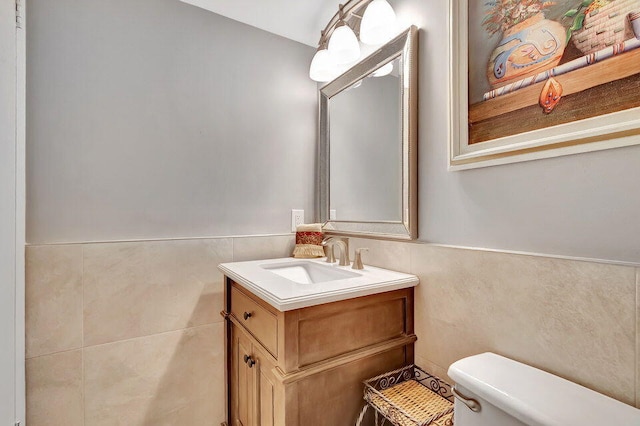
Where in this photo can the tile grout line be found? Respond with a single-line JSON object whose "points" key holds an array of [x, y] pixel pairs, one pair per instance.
{"points": [[633, 264], [84, 410], [161, 239], [64, 351], [128, 339], [436, 365], [82, 284]]}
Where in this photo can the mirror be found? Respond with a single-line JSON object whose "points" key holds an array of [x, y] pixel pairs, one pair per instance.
{"points": [[368, 145], [365, 156]]}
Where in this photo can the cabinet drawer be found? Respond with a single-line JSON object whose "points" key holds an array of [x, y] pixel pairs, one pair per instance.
{"points": [[262, 324], [359, 323]]}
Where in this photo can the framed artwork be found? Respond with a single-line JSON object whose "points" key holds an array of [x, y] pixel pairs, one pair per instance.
{"points": [[534, 79]]}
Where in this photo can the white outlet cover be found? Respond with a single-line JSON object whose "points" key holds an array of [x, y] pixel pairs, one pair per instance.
{"points": [[297, 218]]}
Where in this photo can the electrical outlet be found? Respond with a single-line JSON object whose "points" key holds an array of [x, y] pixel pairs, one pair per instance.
{"points": [[332, 214], [297, 218]]}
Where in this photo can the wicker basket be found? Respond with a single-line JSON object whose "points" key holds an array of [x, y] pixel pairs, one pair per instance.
{"points": [[606, 26], [411, 397]]}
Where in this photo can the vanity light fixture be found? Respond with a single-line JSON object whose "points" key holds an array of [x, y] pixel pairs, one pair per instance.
{"points": [[323, 67], [343, 44], [338, 47], [378, 23]]}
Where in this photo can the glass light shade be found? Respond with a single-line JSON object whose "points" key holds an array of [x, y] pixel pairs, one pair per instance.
{"points": [[322, 68], [378, 23], [383, 70], [343, 45]]}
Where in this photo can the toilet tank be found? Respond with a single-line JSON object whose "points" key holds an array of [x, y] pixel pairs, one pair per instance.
{"points": [[513, 394]]}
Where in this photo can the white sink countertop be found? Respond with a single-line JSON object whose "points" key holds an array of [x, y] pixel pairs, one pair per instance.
{"points": [[285, 294]]}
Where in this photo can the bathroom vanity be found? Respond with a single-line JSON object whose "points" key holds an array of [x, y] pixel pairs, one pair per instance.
{"points": [[301, 337]]}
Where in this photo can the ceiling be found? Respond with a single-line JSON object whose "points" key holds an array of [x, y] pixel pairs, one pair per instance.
{"points": [[299, 20]]}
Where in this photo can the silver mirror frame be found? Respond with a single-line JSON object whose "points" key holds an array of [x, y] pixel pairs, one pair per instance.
{"points": [[405, 45]]}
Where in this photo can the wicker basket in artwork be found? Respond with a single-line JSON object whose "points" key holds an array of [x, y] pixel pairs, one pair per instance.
{"points": [[606, 25], [411, 397]]}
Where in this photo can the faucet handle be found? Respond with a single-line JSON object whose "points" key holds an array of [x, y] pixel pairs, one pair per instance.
{"points": [[357, 262]]}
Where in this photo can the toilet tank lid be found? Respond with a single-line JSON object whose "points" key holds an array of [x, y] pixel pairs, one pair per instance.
{"points": [[535, 397]]}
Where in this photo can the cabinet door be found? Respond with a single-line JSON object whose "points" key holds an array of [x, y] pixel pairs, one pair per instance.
{"points": [[253, 390], [265, 388], [242, 380]]}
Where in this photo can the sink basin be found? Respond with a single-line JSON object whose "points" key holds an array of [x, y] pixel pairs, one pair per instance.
{"points": [[303, 272], [289, 283]]}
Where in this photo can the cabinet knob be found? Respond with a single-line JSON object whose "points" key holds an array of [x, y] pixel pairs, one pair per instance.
{"points": [[247, 315], [249, 361]]}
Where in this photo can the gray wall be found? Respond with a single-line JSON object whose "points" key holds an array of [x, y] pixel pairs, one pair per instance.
{"points": [[7, 213], [153, 118], [580, 205]]}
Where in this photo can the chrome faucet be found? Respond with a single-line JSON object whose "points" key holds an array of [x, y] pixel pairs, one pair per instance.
{"points": [[330, 242]]}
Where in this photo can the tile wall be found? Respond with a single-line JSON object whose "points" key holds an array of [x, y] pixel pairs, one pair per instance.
{"points": [[577, 319], [130, 333]]}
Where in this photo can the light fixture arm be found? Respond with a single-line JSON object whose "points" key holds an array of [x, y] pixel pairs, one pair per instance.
{"points": [[343, 14], [322, 44]]}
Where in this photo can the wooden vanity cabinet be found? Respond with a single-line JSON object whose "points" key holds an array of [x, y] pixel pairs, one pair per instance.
{"points": [[305, 367], [251, 382]]}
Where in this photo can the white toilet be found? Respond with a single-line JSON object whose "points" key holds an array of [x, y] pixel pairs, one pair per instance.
{"points": [[495, 391]]}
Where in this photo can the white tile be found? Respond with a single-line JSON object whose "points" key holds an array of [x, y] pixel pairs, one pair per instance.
{"points": [[54, 389], [142, 288], [53, 296], [267, 247], [169, 379], [394, 255], [571, 318], [433, 369]]}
